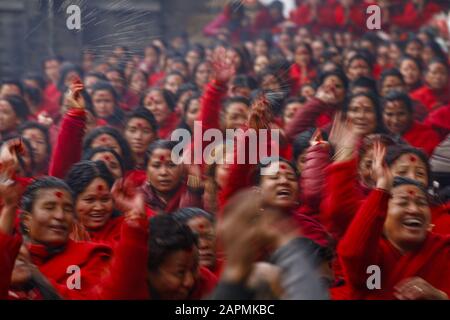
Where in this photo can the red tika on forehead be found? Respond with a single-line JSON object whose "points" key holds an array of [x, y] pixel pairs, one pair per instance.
{"points": [[412, 158], [107, 158], [103, 139], [59, 194], [201, 226], [100, 187], [283, 166], [411, 192], [162, 158]]}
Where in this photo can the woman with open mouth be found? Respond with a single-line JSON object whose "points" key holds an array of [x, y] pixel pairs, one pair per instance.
{"points": [[391, 231], [73, 269]]}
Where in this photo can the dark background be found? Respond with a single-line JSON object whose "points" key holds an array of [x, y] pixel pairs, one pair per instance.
{"points": [[33, 29]]}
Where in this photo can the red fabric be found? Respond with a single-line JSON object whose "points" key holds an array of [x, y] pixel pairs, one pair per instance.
{"points": [[342, 197], [439, 120], [364, 245], [314, 113], [182, 197], [156, 78], [411, 18], [130, 101], [298, 79], [312, 229], [52, 93], [355, 21], [103, 275], [423, 137], [205, 284], [110, 233], [440, 217], [211, 105], [68, 148], [218, 267], [431, 99], [301, 16], [313, 177], [9, 249], [170, 124]]}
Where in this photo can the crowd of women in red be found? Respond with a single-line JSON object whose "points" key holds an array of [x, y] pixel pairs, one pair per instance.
{"points": [[94, 205]]}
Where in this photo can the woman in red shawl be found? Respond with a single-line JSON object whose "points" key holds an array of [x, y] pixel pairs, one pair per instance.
{"points": [[391, 231], [161, 103], [399, 121], [167, 188], [173, 270], [435, 92], [47, 218]]}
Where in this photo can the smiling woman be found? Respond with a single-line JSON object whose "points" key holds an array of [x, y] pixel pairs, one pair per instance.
{"points": [[91, 183], [392, 231]]}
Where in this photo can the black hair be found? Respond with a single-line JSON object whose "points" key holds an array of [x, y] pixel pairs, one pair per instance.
{"points": [[156, 48], [126, 150], [84, 172], [143, 113], [393, 72], [34, 94], [97, 75], [414, 39], [336, 73], [168, 97], [35, 77], [35, 125], [14, 82], [161, 144], [67, 67], [298, 99], [19, 106], [302, 142], [376, 104], [360, 56], [44, 183], [186, 87], [118, 115], [364, 82], [183, 215], [408, 57], [197, 47], [167, 236], [232, 100], [396, 151], [175, 73], [243, 80], [398, 96], [437, 50], [436, 60], [401, 181], [266, 162], [90, 153]]}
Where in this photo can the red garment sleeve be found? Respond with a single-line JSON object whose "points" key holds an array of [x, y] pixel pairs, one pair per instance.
{"points": [[313, 175], [68, 148], [359, 248], [211, 105], [9, 249], [342, 197], [305, 117], [128, 272]]}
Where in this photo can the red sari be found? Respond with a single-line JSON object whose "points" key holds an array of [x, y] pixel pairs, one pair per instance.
{"points": [[364, 245]]}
